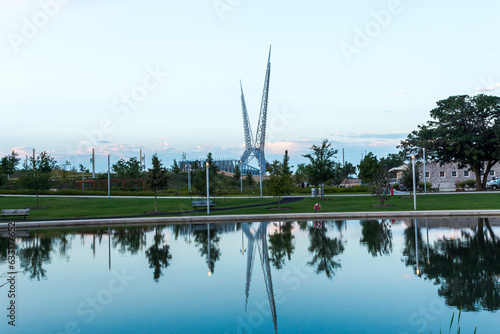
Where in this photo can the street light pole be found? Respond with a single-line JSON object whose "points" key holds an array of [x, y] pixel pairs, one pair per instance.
{"points": [[425, 175], [241, 177], [208, 191], [414, 184], [260, 167], [109, 176]]}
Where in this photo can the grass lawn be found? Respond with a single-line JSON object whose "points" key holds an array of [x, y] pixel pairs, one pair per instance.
{"points": [[65, 207]]}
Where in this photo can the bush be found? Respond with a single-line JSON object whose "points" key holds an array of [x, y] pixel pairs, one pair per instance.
{"points": [[469, 183], [421, 185], [395, 186]]}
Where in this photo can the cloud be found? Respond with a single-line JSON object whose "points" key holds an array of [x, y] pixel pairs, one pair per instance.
{"points": [[488, 89], [375, 135]]}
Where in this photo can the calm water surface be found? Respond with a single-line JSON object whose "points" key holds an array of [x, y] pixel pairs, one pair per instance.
{"points": [[377, 276]]}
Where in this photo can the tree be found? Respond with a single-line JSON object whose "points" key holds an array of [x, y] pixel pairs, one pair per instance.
{"points": [[237, 173], [343, 173], [157, 178], [392, 160], [280, 178], [464, 129], [130, 169], [200, 177], [368, 168], [175, 167], [38, 178], [301, 174], [9, 163], [320, 168], [407, 177], [249, 181], [380, 186]]}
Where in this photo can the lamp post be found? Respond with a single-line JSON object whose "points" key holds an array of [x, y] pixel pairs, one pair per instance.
{"points": [[414, 184], [109, 175], [241, 177], [425, 175], [260, 168], [189, 176], [208, 190]]}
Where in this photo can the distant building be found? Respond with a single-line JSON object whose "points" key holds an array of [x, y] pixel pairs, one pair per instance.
{"points": [[446, 176]]}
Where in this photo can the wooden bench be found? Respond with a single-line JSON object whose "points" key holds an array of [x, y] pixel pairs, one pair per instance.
{"points": [[202, 204], [14, 212]]}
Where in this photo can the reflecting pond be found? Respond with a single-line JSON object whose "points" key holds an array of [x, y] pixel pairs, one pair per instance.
{"points": [[368, 276]]}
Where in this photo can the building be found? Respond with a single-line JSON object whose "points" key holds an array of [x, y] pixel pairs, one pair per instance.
{"points": [[445, 176]]}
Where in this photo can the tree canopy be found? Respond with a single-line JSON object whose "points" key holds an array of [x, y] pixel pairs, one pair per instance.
{"points": [[369, 168], [157, 177], [280, 178], [130, 169], [321, 167], [464, 129]]}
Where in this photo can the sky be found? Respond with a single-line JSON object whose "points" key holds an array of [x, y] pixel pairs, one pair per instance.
{"points": [[163, 76]]}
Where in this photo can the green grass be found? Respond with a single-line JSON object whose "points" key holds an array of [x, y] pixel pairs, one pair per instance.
{"points": [[62, 207]]}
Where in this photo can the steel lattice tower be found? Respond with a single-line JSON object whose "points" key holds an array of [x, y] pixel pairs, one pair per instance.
{"points": [[254, 148]]}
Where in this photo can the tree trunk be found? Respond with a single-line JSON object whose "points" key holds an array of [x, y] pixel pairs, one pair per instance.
{"points": [[279, 203], [37, 197], [156, 208], [477, 172]]}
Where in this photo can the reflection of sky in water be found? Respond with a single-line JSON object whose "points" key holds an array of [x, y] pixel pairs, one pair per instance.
{"points": [[365, 293]]}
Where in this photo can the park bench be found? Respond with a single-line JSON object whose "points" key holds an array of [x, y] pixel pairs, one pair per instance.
{"points": [[202, 204], [14, 212]]}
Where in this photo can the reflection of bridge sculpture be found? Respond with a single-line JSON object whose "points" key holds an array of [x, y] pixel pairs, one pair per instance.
{"points": [[260, 238], [254, 147]]}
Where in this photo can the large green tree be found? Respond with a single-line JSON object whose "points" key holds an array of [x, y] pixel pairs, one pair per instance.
{"points": [[464, 129], [280, 178], [8, 164], [157, 178], [130, 169], [38, 177], [321, 167], [369, 168]]}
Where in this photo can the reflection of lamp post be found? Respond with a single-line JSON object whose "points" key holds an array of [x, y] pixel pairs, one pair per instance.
{"points": [[209, 266], [427, 228], [189, 176], [208, 190], [416, 247], [109, 246], [414, 184], [242, 250]]}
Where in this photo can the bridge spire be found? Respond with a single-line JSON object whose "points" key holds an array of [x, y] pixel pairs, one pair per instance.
{"points": [[255, 149]]}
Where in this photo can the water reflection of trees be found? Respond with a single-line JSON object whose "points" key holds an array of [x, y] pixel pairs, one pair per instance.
{"points": [[377, 237], [158, 254], [129, 239], [201, 240], [325, 249], [34, 254], [281, 244], [466, 269]]}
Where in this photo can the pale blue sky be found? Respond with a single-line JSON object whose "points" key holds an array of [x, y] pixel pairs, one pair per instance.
{"points": [[69, 75]]}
